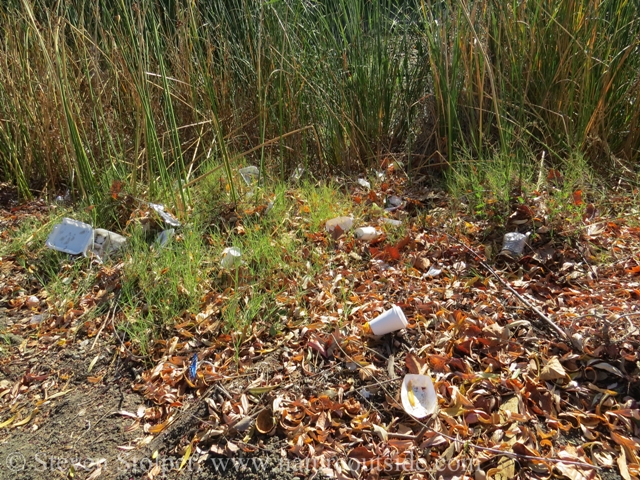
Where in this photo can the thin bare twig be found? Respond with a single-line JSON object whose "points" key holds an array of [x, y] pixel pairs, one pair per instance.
{"points": [[561, 333]]}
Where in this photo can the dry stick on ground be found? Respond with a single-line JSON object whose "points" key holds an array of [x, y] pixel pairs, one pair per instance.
{"points": [[561, 333], [112, 312]]}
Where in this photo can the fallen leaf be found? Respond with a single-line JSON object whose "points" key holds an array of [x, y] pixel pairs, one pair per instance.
{"points": [[382, 432], [367, 372], [552, 370], [8, 422], [361, 452], [414, 364], [25, 420], [422, 263], [622, 465], [506, 469], [577, 197], [185, 457]]}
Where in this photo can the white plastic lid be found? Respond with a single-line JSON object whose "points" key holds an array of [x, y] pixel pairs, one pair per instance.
{"points": [[71, 236]]}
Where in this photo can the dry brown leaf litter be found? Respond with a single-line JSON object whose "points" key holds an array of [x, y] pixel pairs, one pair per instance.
{"points": [[513, 398]]}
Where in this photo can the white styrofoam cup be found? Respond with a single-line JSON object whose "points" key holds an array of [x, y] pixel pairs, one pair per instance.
{"points": [[389, 321]]}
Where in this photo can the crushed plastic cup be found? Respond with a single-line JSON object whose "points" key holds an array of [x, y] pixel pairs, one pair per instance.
{"points": [[418, 396], [387, 322], [366, 233], [514, 243], [392, 203], [70, 236], [345, 223], [433, 272], [231, 257]]}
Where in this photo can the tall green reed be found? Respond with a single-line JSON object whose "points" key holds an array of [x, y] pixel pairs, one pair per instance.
{"points": [[152, 92]]}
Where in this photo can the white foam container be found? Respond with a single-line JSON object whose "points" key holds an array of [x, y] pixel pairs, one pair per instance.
{"points": [[71, 236], [249, 174], [423, 400], [389, 321]]}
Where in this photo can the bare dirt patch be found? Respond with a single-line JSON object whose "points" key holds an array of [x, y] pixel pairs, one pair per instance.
{"points": [[76, 431]]}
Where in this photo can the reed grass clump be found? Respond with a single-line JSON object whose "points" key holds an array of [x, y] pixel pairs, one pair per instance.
{"points": [[152, 92]]}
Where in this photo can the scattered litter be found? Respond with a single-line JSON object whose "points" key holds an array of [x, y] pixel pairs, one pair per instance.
{"points": [[166, 216], [363, 183], [249, 174], [106, 242], [70, 236], [165, 236], [64, 199], [381, 265], [392, 203], [297, 174], [391, 221], [387, 322], [32, 302], [380, 175], [76, 238], [345, 223], [37, 319], [193, 368], [514, 243], [433, 272], [418, 395], [231, 257], [366, 233]]}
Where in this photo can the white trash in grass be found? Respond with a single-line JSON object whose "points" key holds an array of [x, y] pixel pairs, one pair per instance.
{"points": [[418, 396], [166, 216], [387, 322], [345, 223], [106, 242], [231, 257], [391, 221], [364, 183], [165, 236], [433, 272], [366, 233], [71, 236], [297, 174], [514, 243]]}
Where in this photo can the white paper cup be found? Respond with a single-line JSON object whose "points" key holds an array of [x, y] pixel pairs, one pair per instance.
{"points": [[389, 321]]}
